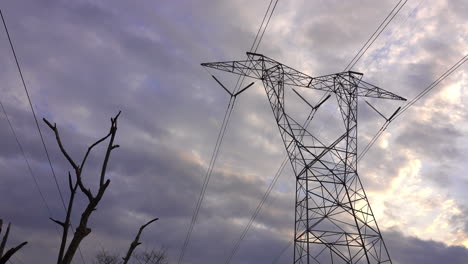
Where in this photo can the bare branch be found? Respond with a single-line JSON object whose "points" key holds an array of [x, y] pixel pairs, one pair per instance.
{"points": [[70, 182], [77, 169], [112, 131], [147, 224], [10, 252], [83, 189], [59, 141], [62, 224], [91, 147], [136, 242], [4, 240]]}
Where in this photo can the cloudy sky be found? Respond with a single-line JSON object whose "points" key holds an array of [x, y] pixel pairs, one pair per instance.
{"points": [[85, 60]]}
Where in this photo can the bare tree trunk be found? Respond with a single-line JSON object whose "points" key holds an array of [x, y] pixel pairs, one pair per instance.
{"points": [[83, 230], [66, 225]]}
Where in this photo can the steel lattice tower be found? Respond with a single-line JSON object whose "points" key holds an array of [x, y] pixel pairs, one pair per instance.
{"points": [[334, 222]]}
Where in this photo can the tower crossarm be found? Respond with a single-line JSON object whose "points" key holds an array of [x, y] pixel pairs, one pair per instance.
{"points": [[257, 66], [246, 68], [364, 89]]}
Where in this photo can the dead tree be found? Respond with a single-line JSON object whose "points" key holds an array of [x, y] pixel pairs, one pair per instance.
{"points": [[136, 242], [105, 257], [153, 256], [66, 256], [5, 257]]}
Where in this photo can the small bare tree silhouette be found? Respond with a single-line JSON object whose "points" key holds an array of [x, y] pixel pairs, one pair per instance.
{"points": [[136, 242], [153, 256], [66, 256], [9, 253]]}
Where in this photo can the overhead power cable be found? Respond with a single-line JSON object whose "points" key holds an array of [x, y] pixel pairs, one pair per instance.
{"points": [[33, 176], [371, 143], [268, 191], [218, 144], [396, 9], [252, 49], [278, 173], [413, 101], [364, 49], [17, 258], [207, 178], [257, 211], [32, 110], [375, 35], [35, 119], [266, 26], [283, 251], [433, 84], [410, 13]]}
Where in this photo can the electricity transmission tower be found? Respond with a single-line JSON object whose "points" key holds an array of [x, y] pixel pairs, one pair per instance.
{"points": [[334, 222]]}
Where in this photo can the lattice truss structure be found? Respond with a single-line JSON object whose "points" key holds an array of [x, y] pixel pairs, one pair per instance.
{"points": [[334, 222]]}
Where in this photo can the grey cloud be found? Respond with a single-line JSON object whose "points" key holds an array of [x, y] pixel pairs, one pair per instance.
{"points": [[83, 61], [412, 250], [435, 139]]}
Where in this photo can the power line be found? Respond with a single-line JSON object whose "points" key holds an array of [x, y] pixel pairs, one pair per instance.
{"points": [[32, 110], [207, 178], [410, 13], [354, 61], [282, 251], [371, 142], [413, 101], [17, 258], [259, 40], [380, 132], [35, 119], [372, 39], [261, 26], [364, 49], [219, 140], [433, 84], [270, 187], [33, 176], [26, 160], [257, 210], [268, 22], [268, 191]]}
